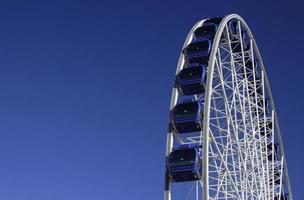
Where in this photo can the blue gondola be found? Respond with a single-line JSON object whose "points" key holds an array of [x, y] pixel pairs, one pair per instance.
{"points": [[208, 30], [198, 52], [185, 164], [199, 49], [187, 117], [192, 80]]}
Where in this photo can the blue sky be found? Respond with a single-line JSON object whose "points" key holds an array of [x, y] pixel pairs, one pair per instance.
{"points": [[85, 89]]}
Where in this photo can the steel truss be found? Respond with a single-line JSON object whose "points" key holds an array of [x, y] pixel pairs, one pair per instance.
{"points": [[235, 137]]}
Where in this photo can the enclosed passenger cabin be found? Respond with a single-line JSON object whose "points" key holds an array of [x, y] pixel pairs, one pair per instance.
{"points": [[208, 30], [199, 49], [198, 52], [185, 164], [192, 80], [187, 117]]}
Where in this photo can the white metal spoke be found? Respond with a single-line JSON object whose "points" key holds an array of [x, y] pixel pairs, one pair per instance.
{"points": [[242, 152]]}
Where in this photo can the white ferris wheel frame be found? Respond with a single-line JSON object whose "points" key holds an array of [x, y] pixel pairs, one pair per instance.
{"points": [[208, 91]]}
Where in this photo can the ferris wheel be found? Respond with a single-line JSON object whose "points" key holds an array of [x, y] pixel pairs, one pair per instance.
{"points": [[223, 140]]}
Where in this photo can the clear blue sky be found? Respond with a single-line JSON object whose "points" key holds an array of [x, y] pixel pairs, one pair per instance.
{"points": [[85, 89]]}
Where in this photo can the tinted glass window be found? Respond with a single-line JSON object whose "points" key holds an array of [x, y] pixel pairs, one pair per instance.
{"points": [[191, 73], [186, 109], [182, 156], [208, 30], [198, 47]]}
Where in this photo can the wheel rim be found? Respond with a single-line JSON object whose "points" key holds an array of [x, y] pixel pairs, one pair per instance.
{"points": [[235, 155]]}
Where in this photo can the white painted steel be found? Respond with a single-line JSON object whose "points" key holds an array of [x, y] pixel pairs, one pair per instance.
{"points": [[235, 153]]}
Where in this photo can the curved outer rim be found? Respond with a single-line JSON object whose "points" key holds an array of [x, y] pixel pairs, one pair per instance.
{"points": [[208, 93], [167, 194]]}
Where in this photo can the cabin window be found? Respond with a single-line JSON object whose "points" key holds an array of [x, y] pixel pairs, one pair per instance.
{"points": [[184, 156], [185, 109], [191, 73]]}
